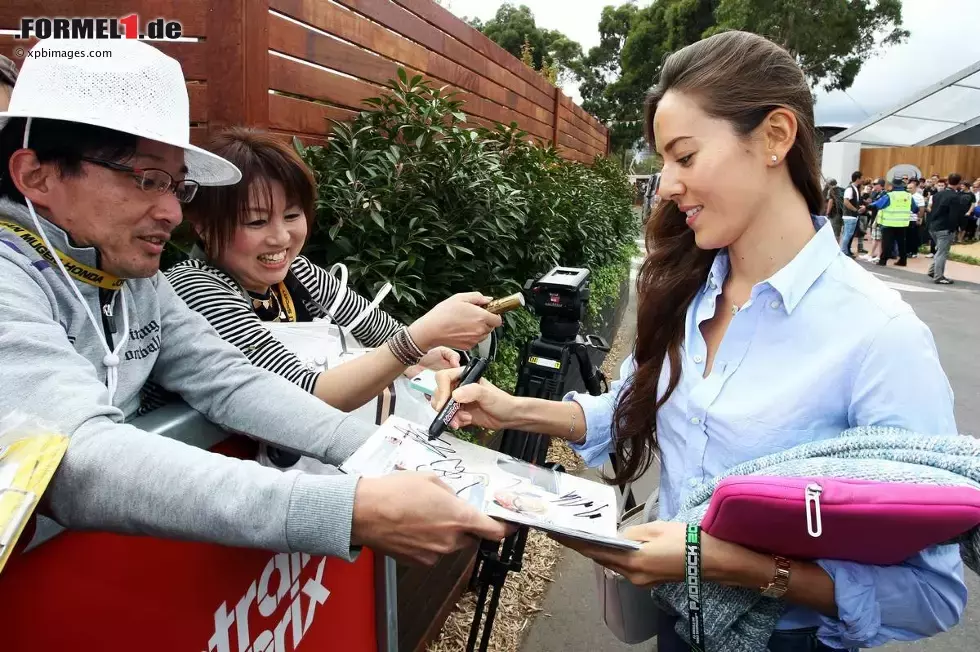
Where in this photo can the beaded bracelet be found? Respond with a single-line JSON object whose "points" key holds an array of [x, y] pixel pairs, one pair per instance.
{"points": [[404, 348]]}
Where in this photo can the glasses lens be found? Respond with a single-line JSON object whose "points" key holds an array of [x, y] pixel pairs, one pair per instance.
{"points": [[185, 190], [156, 181]]}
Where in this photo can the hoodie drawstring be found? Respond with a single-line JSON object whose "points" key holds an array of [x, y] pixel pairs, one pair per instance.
{"points": [[111, 358]]}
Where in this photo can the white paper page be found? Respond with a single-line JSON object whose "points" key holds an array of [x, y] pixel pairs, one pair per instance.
{"points": [[496, 484]]}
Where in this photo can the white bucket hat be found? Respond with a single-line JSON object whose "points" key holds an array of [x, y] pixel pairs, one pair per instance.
{"points": [[135, 89]]}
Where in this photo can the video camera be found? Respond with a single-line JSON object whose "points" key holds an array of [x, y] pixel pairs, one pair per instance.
{"points": [[559, 299]]}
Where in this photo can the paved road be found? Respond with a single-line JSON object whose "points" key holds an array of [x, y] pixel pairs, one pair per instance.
{"points": [[953, 314], [570, 619]]}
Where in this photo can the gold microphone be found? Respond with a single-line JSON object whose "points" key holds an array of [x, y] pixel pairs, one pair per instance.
{"points": [[505, 304]]}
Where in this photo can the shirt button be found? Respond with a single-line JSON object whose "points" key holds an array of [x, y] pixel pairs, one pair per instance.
{"points": [[774, 305], [698, 359], [695, 420]]}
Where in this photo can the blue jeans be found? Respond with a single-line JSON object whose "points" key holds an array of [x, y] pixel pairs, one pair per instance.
{"points": [[796, 640], [944, 240], [847, 234]]}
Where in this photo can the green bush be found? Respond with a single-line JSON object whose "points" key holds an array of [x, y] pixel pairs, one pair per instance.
{"points": [[409, 195]]}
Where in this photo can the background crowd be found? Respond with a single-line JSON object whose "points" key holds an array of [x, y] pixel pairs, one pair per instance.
{"points": [[956, 215]]}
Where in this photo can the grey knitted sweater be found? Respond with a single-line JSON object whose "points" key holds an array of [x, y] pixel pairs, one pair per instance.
{"points": [[741, 620]]}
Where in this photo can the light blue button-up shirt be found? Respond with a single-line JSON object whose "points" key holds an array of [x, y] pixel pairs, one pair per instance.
{"points": [[820, 346]]}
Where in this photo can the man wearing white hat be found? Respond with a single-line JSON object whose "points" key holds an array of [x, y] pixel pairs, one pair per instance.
{"points": [[94, 162]]}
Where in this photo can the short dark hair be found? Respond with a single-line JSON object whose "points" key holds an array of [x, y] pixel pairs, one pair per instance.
{"points": [[63, 143], [8, 71], [954, 179], [855, 176], [218, 210]]}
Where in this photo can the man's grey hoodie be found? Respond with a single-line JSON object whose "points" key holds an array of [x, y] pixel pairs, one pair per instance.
{"points": [[116, 477]]}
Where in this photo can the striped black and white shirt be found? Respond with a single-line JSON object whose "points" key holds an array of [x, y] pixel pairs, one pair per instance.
{"points": [[216, 295]]}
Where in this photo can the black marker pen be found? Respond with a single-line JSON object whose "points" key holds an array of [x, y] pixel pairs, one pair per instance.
{"points": [[471, 374]]}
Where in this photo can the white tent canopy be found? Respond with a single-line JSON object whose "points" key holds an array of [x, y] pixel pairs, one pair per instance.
{"points": [[938, 112]]}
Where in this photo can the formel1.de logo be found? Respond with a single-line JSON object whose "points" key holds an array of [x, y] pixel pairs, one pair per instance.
{"points": [[44, 27]]}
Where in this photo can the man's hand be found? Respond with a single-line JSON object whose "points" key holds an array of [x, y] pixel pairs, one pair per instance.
{"points": [[416, 516], [440, 358]]}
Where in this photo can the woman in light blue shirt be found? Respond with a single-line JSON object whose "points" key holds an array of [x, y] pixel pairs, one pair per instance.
{"points": [[755, 334]]}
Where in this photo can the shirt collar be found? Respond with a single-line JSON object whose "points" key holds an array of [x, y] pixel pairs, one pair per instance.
{"points": [[719, 270], [793, 281]]}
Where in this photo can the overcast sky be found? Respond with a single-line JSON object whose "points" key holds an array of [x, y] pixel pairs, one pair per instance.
{"points": [[945, 38]]}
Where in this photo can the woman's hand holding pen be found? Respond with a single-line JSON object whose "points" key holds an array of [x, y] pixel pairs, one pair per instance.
{"points": [[481, 404], [484, 405]]}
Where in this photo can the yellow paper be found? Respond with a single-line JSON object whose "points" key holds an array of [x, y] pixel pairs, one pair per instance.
{"points": [[26, 467]]}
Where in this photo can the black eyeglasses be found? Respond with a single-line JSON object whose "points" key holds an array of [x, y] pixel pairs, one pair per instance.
{"points": [[153, 180]]}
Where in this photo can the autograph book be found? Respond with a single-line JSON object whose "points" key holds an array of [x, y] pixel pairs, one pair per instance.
{"points": [[498, 485], [27, 463]]}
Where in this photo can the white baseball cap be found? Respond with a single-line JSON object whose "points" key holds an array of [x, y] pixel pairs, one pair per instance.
{"points": [[134, 88]]}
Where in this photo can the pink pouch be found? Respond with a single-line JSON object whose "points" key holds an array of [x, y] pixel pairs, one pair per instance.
{"points": [[878, 523]]}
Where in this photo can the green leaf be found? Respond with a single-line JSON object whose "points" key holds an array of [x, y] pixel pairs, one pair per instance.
{"points": [[402, 75], [376, 216]]}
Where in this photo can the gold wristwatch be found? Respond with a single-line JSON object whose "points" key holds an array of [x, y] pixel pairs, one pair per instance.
{"points": [[780, 579]]}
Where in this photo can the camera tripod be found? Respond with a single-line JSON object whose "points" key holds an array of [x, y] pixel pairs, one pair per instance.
{"points": [[543, 373]]}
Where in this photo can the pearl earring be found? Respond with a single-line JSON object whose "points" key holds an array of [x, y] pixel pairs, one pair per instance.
{"points": [[774, 158]]}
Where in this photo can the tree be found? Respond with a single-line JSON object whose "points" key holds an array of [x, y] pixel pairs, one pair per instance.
{"points": [[551, 52], [830, 39]]}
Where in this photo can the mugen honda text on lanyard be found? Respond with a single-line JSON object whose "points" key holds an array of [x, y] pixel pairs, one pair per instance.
{"points": [[77, 270]]}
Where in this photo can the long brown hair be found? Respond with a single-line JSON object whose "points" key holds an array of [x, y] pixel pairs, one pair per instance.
{"points": [[738, 77], [218, 211]]}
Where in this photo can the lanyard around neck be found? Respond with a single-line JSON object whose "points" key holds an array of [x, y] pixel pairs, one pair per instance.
{"points": [[78, 271]]}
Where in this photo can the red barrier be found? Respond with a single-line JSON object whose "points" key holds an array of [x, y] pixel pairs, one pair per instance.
{"points": [[116, 593]]}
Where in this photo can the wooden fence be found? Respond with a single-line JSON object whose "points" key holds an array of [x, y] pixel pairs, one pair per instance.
{"points": [[934, 159], [288, 65]]}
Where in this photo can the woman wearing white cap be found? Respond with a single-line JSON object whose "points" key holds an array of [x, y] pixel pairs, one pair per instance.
{"points": [[96, 161]]}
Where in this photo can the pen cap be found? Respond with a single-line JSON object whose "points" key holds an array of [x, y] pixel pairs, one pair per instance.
{"points": [[505, 304]]}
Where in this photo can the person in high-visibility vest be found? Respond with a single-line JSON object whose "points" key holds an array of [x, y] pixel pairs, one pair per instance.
{"points": [[893, 217]]}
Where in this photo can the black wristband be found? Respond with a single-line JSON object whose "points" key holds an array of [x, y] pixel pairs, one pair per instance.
{"points": [[692, 575]]}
